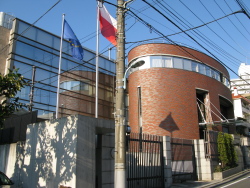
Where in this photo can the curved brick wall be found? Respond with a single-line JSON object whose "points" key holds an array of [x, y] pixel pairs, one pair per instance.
{"points": [[168, 95], [169, 49]]}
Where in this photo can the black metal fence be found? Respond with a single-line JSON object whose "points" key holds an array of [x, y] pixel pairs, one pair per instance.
{"points": [[145, 167], [183, 160], [211, 145]]}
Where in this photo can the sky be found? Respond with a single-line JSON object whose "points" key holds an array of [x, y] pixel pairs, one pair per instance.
{"points": [[227, 39]]}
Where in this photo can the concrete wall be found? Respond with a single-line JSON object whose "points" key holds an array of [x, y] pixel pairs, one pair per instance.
{"points": [[62, 152], [206, 166], [245, 147], [203, 165]]}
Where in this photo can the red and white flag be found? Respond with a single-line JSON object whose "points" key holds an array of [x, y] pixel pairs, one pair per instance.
{"points": [[108, 24]]}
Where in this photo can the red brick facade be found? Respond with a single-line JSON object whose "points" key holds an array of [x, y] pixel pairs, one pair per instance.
{"points": [[168, 95]]}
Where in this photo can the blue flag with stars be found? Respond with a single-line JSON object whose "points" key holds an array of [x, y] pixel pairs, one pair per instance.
{"points": [[76, 47]]}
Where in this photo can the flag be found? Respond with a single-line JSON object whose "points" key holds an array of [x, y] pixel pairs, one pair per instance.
{"points": [[108, 24], [76, 47]]}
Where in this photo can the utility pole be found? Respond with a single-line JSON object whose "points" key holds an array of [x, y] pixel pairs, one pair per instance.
{"points": [[120, 127], [32, 89]]}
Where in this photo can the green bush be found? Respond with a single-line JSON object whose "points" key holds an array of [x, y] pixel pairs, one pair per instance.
{"points": [[227, 154]]}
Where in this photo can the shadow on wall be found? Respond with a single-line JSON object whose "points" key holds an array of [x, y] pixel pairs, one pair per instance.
{"points": [[49, 157], [169, 124]]}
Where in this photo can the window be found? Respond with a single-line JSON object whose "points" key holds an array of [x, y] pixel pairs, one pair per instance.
{"points": [[74, 86], [208, 71], [167, 62], [178, 63], [195, 67], [156, 61], [187, 64]]}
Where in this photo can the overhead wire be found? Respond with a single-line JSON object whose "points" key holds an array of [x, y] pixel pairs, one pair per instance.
{"points": [[28, 28], [213, 43], [202, 37], [224, 53], [223, 28], [192, 39], [237, 17]]}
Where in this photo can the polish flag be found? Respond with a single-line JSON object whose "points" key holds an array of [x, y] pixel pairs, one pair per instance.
{"points": [[108, 25]]}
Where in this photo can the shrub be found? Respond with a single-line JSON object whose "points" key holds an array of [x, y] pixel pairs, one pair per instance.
{"points": [[227, 153]]}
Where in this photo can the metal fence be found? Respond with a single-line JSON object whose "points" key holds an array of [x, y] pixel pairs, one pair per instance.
{"points": [[145, 167], [183, 160], [211, 146]]}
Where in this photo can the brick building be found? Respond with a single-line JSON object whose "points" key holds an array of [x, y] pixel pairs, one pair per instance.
{"points": [[178, 92]]}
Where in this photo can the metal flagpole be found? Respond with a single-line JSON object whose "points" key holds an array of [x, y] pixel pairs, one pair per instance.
{"points": [[59, 68], [97, 62]]}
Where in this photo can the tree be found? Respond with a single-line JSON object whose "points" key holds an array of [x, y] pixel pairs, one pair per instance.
{"points": [[10, 84], [227, 154]]}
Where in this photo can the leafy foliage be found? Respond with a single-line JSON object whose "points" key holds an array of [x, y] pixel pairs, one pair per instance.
{"points": [[10, 84], [227, 153]]}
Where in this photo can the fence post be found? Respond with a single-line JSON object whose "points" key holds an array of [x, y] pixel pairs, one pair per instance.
{"points": [[203, 165], [167, 159]]}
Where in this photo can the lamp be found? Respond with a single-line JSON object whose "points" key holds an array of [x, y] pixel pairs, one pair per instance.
{"points": [[135, 64]]}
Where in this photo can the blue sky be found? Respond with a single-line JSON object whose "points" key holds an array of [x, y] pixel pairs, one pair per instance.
{"points": [[227, 39]]}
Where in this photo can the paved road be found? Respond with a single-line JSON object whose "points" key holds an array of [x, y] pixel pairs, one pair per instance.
{"points": [[243, 182]]}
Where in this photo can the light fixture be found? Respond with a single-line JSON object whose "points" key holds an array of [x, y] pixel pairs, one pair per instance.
{"points": [[135, 64]]}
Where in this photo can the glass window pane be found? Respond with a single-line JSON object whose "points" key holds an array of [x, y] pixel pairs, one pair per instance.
{"points": [[178, 63], [202, 69], [167, 62], [208, 71], [187, 64], [195, 67], [156, 61]]}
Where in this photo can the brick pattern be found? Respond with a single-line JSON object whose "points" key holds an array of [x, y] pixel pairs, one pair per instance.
{"points": [[168, 95], [169, 49]]}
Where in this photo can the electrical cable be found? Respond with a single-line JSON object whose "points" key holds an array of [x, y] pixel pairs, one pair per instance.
{"points": [[5, 48], [192, 39]]}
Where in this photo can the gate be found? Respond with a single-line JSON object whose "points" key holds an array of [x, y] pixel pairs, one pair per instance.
{"points": [[183, 160], [145, 167]]}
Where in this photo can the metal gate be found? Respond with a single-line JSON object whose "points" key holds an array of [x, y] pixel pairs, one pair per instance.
{"points": [[183, 160], [145, 167]]}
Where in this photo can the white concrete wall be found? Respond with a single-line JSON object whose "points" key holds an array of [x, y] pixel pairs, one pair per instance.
{"points": [[203, 165], [167, 155], [50, 154], [60, 152], [238, 108], [8, 159]]}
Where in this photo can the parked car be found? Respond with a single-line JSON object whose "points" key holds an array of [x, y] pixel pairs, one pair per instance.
{"points": [[5, 181]]}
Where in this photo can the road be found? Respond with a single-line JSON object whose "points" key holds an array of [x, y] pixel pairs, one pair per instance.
{"points": [[240, 182]]}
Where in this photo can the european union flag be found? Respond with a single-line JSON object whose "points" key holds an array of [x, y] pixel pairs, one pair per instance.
{"points": [[76, 47]]}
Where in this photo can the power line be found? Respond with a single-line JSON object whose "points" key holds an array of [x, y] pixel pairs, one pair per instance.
{"points": [[231, 23], [207, 40], [5, 48], [238, 18], [192, 38], [193, 28]]}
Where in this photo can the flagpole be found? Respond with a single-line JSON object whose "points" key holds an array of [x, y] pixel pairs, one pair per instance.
{"points": [[59, 68], [97, 62]]}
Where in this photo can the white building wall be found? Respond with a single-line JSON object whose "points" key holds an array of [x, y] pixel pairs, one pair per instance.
{"points": [[61, 152], [237, 108]]}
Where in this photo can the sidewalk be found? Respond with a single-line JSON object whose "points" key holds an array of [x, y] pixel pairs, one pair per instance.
{"points": [[212, 183]]}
